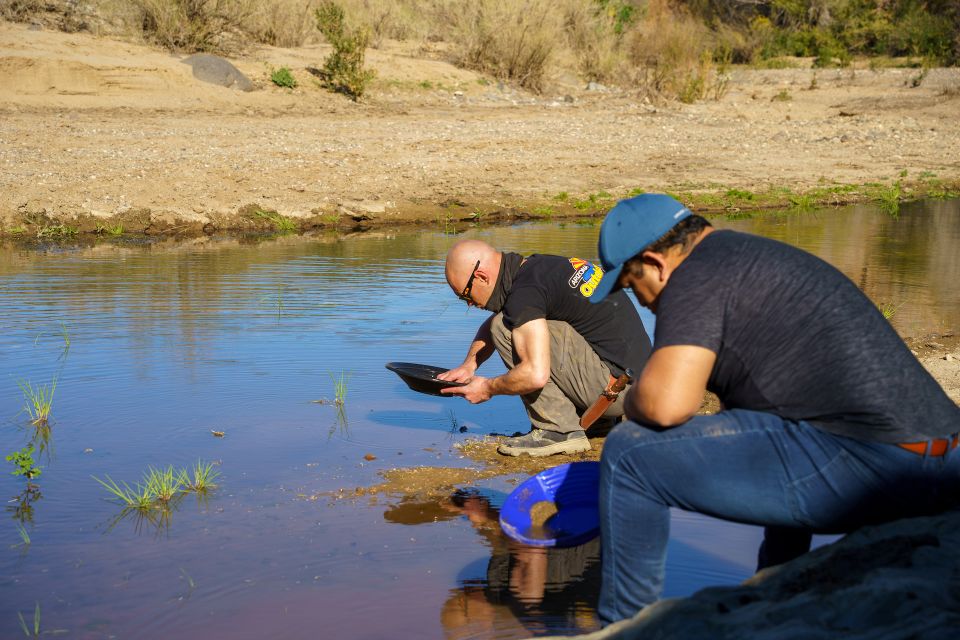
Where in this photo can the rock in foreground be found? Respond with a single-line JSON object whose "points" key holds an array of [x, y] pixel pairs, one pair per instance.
{"points": [[896, 581]]}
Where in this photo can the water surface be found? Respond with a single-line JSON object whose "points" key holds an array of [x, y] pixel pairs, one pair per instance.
{"points": [[169, 342]]}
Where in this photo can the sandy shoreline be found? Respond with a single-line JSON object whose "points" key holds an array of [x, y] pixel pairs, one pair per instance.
{"points": [[97, 132]]}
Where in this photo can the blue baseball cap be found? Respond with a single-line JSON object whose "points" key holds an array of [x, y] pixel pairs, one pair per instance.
{"points": [[629, 228]]}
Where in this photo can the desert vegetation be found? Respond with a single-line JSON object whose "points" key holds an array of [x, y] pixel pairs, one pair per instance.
{"points": [[679, 49]]}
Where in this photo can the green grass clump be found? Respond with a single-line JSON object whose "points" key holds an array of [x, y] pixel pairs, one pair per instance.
{"points": [[137, 497], [115, 230], [740, 194], [343, 70], [24, 536], [544, 212], [802, 202], [56, 231], [889, 198], [281, 222], [283, 78], [163, 484], [888, 309], [200, 477], [160, 486], [592, 201], [38, 400], [35, 631], [340, 387]]}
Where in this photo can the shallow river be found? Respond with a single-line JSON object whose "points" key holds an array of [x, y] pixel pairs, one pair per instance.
{"points": [[155, 346]]}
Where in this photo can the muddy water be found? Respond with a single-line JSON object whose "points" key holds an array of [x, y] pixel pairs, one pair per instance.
{"points": [[156, 346]]}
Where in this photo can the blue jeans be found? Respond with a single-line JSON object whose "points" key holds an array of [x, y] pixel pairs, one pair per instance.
{"points": [[754, 468]]}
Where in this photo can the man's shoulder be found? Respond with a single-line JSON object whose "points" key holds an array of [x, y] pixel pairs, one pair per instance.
{"points": [[725, 250], [542, 268]]}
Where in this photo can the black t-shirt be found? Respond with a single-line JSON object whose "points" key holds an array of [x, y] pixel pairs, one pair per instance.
{"points": [[557, 288], [795, 337]]}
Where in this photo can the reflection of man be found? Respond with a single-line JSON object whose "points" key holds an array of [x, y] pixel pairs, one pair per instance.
{"points": [[560, 350], [829, 422], [527, 589]]}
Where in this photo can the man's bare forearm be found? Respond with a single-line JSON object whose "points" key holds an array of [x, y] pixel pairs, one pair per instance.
{"points": [[482, 346], [516, 382]]}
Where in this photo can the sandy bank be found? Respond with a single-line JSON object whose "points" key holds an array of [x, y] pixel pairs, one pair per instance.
{"points": [[100, 132]]}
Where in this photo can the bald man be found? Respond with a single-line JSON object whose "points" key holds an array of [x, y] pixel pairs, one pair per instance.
{"points": [[561, 352]]}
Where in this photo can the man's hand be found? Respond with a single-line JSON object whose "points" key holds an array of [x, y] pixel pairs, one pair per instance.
{"points": [[477, 391], [463, 373]]}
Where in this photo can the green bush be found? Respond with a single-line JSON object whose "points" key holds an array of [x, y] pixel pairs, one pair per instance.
{"points": [[835, 31], [283, 78], [343, 70]]}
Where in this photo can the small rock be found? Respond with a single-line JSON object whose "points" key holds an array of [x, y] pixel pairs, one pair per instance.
{"points": [[360, 210], [218, 434], [949, 357], [369, 457]]}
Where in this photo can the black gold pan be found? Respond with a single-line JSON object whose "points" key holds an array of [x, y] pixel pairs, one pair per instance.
{"points": [[422, 377]]}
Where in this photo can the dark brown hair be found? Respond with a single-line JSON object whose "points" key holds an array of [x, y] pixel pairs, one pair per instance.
{"points": [[682, 234]]}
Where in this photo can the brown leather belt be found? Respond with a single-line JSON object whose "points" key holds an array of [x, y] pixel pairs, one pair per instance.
{"points": [[934, 448]]}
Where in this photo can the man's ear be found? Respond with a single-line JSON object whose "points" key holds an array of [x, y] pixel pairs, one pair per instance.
{"points": [[656, 261], [483, 276]]}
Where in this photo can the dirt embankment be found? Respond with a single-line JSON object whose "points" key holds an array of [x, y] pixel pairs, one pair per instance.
{"points": [[101, 133]]}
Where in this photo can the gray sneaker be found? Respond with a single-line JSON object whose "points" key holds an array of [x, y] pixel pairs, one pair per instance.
{"points": [[539, 443]]}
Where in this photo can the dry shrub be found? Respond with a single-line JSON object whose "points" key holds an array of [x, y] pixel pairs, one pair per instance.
{"points": [[509, 39], [64, 15], [193, 25], [594, 41], [281, 23], [387, 19], [672, 54], [20, 10]]}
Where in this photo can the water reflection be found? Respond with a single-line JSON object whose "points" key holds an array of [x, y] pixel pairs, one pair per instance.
{"points": [[21, 506], [527, 591], [154, 519], [163, 348]]}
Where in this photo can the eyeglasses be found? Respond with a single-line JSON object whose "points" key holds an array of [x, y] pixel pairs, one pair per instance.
{"points": [[465, 294]]}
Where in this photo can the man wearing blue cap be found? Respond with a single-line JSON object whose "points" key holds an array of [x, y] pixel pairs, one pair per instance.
{"points": [[828, 421]]}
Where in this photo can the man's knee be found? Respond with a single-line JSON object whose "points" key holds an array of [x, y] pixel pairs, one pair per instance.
{"points": [[625, 438]]}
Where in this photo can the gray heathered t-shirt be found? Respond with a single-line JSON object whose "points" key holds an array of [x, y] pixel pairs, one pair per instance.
{"points": [[795, 337]]}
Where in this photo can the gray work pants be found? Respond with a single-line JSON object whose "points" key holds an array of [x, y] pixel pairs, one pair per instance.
{"points": [[577, 377]]}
